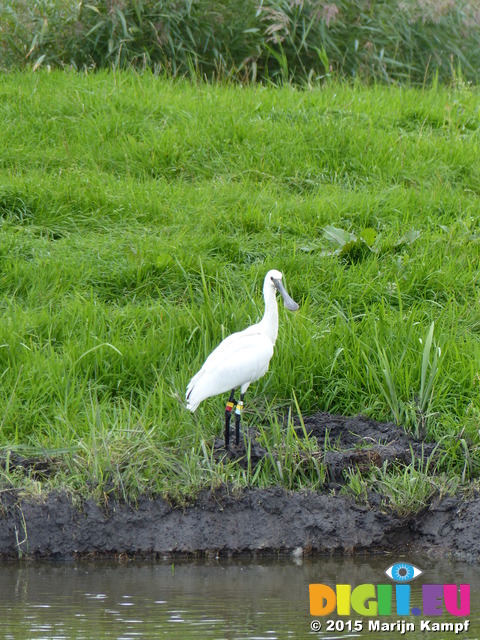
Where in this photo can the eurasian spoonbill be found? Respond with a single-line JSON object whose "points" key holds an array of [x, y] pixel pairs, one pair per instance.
{"points": [[241, 358]]}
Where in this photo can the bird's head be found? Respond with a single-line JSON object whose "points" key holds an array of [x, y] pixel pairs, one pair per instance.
{"points": [[274, 279]]}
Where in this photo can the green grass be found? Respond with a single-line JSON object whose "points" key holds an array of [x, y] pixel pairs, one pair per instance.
{"points": [[138, 219], [405, 490]]}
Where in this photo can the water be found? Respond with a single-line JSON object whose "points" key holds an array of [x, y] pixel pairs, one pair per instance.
{"points": [[218, 599]]}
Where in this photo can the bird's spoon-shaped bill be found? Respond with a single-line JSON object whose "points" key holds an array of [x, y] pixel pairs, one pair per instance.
{"points": [[289, 302]]}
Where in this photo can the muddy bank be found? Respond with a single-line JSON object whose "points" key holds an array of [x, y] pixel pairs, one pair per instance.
{"points": [[254, 521], [257, 521]]}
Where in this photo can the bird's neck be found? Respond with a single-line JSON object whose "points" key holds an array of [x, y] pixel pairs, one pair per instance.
{"points": [[269, 322]]}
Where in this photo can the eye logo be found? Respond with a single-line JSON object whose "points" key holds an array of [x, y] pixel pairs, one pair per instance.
{"points": [[403, 572]]}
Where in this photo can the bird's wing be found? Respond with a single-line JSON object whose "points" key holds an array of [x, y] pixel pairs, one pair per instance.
{"points": [[242, 358], [230, 344]]}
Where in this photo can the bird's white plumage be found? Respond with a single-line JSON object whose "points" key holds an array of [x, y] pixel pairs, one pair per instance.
{"points": [[233, 364], [243, 357]]}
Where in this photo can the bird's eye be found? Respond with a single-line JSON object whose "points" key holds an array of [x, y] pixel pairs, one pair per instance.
{"points": [[403, 572]]}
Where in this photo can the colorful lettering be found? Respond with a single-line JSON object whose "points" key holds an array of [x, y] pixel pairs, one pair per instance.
{"points": [[450, 594]]}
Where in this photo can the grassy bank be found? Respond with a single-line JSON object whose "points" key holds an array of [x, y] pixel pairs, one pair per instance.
{"points": [[138, 219]]}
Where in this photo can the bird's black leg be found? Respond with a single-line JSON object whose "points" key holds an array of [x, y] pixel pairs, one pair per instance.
{"points": [[228, 416], [238, 413]]}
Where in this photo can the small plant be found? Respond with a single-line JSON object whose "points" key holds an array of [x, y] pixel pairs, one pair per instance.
{"points": [[407, 407], [406, 489], [351, 248], [294, 461]]}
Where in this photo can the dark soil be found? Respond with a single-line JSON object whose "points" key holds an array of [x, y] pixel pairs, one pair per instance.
{"points": [[254, 521], [348, 443]]}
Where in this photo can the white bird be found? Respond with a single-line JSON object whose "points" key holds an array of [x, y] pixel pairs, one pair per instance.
{"points": [[241, 358]]}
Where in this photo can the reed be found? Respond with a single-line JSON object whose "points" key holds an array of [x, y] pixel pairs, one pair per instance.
{"points": [[304, 41]]}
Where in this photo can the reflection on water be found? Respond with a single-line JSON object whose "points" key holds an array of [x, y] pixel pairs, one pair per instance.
{"points": [[220, 599]]}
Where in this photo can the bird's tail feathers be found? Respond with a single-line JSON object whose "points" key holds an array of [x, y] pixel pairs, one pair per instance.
{"points": [[192, 402], [192, 406]]}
